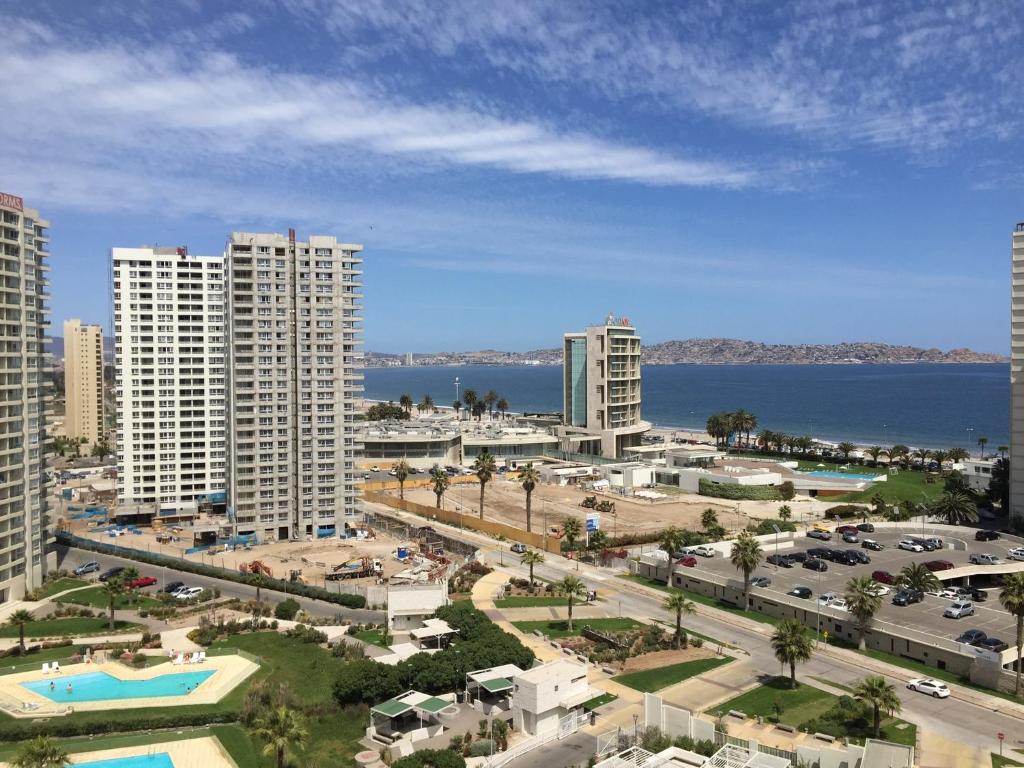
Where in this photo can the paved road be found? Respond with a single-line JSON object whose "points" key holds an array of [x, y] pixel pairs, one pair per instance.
{"points": [[69, 558]]}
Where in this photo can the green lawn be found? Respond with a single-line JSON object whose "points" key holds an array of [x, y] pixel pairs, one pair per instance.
{"points": [[1002, 762], [77, 625], [599, 701], [524, 601], [650, 680], [76, 745], [95, 597], [371, 636], [60, 585], [557, 628], [805, 703]]}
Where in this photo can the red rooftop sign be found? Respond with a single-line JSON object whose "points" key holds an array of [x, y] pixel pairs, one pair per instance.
{"points": [[11, 201]]}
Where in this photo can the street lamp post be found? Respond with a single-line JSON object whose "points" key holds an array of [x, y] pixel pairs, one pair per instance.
{"points": [[776, 545], [817, 635], [456, 394]]}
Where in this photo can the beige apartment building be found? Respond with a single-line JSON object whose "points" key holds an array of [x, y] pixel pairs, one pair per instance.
{"points": [[1017, 374], [24, 397], [294, 314], [601, 376], [83, 381]]}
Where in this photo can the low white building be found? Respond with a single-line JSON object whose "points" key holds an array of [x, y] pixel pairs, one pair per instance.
{"points": [[543, 695], [410, 605], [977, 473]]}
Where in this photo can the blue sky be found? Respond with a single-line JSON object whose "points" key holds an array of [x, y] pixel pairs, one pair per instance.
{"points": [[812, 171]]}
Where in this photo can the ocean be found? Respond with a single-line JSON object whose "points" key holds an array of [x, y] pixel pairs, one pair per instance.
{"points": [[923, 405]]}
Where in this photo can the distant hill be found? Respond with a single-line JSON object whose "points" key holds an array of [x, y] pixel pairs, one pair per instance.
{"points": [[717, 352]]}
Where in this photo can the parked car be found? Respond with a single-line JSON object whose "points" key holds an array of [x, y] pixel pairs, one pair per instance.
{"points": [[954, 593], [91, 567], [704, 550], [993, 644], [814, 564], [959, 609], [884, 577], [760, 581], [797, 557], [972, 637], [872, 545], [907, 596], [143, 581], [688, 561], [986, 535], [375, 468], [518, 548], [879, 590], [782, 561], [977, 595], [850, 538], [866, 527], [934, 541], [111, 573], [821, 553], [939, 565], [188, 593], [1017, 553], [846, 529], [173, 587], [814, 533], [839, 604], [927, 544], [827, 598], [910, 545], [930, 686], [984, 558], [801, 592]]}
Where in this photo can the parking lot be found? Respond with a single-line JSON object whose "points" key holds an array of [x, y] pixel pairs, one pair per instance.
{"points": [[926, 616]]}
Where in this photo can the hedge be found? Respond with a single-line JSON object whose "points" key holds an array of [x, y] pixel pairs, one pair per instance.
{"points": [[739, 492], [431, 758], [846, 510], [199, 569], [23, 730]]}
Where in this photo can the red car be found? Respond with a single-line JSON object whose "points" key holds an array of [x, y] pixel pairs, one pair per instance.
{"points": [[689, 561], [143, 581], [938, 565], [884, 577], [841, 529]]}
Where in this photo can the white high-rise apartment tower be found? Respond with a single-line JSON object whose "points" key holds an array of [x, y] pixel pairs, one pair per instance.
{"points": [[83, 381], [294, 317], [24, 398], [1017, 375], [169, 369]]}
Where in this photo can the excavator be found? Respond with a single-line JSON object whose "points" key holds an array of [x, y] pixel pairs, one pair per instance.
{"points": [[256, 566]]}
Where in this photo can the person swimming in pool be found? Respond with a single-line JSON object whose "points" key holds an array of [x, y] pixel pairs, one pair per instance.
{"points": [[52, 685], [69, 689]]}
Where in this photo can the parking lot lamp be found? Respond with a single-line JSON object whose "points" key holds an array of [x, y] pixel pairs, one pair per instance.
{"points": [[776, 545], [817, 634]]}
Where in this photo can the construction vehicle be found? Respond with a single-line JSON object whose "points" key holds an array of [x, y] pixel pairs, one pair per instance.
{"points": [[296, 576], [589, 502], [256, 566], [356, 568]]}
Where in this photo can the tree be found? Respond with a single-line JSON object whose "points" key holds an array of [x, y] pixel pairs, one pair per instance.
{"points": [[572, 589], [257, 610], [765, 438], [531, 557], [709, 519], [432, 758], [846, 449], [922, 455], [479, 409], [528, 478], [915, 576], [20, 618], [999, 485], [1002, 450], [502, 406], [456, 406], [385, 411], [746, 556], [426, 405], [743, 423], [571, 528], [958, 454], [1011, 597], [470, 398], [101, 449], [792, 644], [940, 458], [863, 602], [718, 426], [40, 752], [900, 453], [116, 586], [401, 470], [259, 581], [368, 682], [489, 400], [678, 602], [874, 452], [440, 481], [956, 508], [785, 512], [405, 401], [877, 692], [484, 468], [281, 728], [671, 540]]}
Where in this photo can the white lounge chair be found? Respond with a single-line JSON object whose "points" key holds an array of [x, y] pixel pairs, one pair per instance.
{"points": [[202, 656], [46, 668], [195, 658], [55, 668], [179, 659]]}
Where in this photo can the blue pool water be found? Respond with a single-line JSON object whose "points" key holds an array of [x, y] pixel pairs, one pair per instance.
{"points": [[847, 475], [159, 760], [99, 686]]}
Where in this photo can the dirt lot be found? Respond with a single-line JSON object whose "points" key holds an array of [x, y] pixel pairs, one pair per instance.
{"points": [[505, 502], [665, 658]]}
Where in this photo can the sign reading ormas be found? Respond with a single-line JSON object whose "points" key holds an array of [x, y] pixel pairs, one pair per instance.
{"points": [[11, 201]]}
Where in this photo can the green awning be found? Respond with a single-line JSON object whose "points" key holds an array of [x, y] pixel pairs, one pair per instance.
{"points": [[392, 708], [433, 705], [497, 685]]}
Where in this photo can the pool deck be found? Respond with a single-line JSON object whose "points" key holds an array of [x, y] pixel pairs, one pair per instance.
{"points": [[206, 752], [18, 701]]}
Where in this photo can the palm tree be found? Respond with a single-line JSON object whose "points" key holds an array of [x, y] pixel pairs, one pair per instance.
{"points": [[956, 507], [401, 469], [671, 540], [900, 453], [678, 602], [572, 589], [1011, 597], [280, 728], [790, 442], [456, 406], [881, 695], [470, 398], [440, 480], [846, 449], [426, 405], [479, 409], [115, 587], [765, 438], [915, 576], [571, 528], [484, 468], [502, 406], [743, 423], [489, 400], [719, 427], [922, 455], [708, 519], [531, 557], [406, 402], [874, 452], [20, 618], [939, 457], [863, 602], [792, 644], [1002, 449], [785, 512], [259, 581], [746, 556], [958, 454], [529, 477], [40, 752]]}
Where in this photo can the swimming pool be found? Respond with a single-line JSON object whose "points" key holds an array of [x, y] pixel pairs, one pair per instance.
{"points": [[99, 686], [159, 760], [832, 473]]}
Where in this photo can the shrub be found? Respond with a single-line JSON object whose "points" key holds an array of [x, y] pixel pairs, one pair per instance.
{"points": [[739, 492], [204, 635], [286, 609], [787, 490], [482, 748], [846, 511], [431, 758], [764, 527], [306, 634]]}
